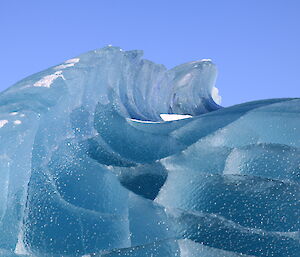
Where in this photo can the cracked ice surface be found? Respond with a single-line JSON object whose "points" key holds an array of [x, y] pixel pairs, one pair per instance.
{"points": [[108, 154]]}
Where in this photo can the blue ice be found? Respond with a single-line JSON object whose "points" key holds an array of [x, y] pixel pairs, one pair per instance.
{"points": [[109, 154]]}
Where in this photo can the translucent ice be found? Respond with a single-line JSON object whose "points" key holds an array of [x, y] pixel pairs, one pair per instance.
{"points": [[108, 154]]}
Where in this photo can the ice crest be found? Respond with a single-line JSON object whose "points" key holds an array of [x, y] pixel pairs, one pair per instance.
{"points": [[108, 154]]}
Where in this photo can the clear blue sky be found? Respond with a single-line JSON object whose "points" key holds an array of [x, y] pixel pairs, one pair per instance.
{"points": [[255, 43]]}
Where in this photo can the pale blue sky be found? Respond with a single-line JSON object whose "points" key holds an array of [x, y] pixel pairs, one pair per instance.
{"points": [[255, 43]]}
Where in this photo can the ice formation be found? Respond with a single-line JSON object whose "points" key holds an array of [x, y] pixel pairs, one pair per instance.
{"points": [[93, 162]]}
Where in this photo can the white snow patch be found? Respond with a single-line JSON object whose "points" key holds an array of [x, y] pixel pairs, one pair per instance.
{"points": [[74, 60], [3, 122], [63, 66], [17, 122], [170, 117], [13, 113], [215, 95], [48, 80], [22, 115], [142, 121], [205, 60], [67, 64]]}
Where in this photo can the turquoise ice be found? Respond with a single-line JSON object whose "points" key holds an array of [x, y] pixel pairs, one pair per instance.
{"points": [[108, 154]]}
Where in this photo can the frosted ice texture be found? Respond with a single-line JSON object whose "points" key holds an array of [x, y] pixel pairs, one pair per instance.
{"points": [[89, 168]]}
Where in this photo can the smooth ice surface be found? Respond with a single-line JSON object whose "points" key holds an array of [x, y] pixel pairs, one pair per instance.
{"points": [[108, 154]]}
